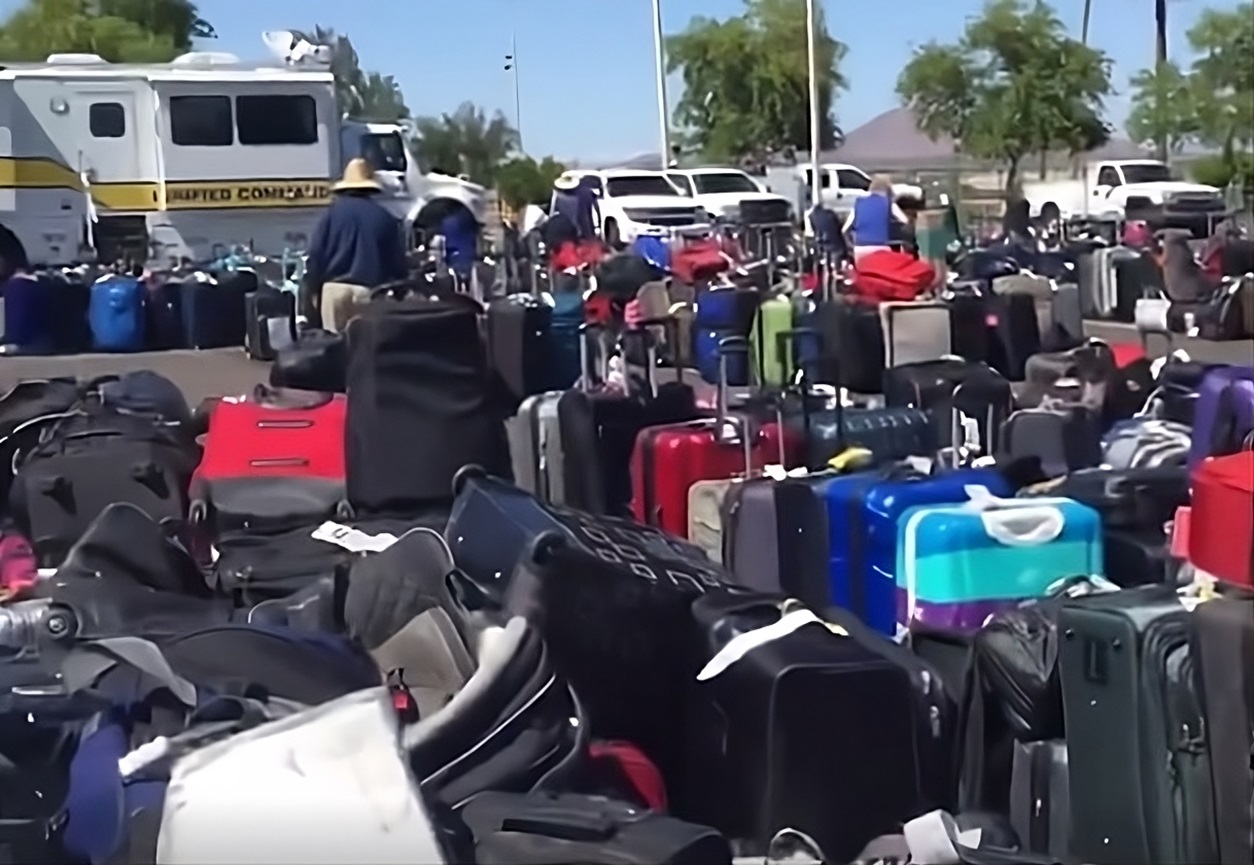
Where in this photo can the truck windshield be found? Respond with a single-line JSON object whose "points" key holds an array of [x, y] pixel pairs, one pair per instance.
{"points": [[715, 183], [384, 150], [1146, 173], [639, 184]]}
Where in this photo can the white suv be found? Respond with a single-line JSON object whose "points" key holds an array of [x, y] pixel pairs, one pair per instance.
{"points": [[720, 191], [635, 203]]}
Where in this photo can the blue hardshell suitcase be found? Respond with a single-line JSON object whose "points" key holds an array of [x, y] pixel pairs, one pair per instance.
{"points": [[565, 335], [957, 564], [116, 313], [722, 313], [863, 513], [26, 315]]}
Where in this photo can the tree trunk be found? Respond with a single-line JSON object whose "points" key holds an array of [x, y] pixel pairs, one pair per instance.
{"points": [[1160, 62], [1012, 178], [1044, 164]]}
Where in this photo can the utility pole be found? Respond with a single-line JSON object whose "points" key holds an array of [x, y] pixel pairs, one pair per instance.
{"points": [[812, 57], [659, 68], [511, 65]]}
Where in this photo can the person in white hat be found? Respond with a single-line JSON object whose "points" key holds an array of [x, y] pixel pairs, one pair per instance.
{"points": [[356, 247]]}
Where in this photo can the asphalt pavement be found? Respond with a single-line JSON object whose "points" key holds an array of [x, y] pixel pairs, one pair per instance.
{"points": [[228, 371]]}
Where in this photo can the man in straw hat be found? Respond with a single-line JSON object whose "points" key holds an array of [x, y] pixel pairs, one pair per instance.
{"points": [[357, 246]]}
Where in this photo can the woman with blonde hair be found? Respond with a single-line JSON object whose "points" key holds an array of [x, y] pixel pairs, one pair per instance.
{"points": [[869, 226]]}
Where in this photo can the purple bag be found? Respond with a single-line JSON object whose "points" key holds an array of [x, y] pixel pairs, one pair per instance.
{"points": [[1224, 416]]}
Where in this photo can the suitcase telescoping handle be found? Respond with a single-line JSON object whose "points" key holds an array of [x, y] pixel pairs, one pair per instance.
{"points": [[671, 325], [785, 345], [957, 434], [726, 426], [587, 331]]}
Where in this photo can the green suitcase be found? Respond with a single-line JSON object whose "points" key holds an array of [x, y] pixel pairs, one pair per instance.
{"points": [[774, 317]]}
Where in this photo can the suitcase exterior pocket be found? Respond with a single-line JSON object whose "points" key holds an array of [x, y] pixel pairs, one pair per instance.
{"points": [[270, 323], [1040, 797]]}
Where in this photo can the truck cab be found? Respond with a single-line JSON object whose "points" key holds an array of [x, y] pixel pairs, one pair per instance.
{"points": [[1143, 189], [840, 185], [720, 191], [422, 201]]}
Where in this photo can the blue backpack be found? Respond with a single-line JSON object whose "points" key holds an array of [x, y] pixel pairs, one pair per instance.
{"points": [[654, 250]]}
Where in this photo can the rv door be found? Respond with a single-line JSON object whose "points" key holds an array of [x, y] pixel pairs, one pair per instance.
{"points": [[108, 130]]}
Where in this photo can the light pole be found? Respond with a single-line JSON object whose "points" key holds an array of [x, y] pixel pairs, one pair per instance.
{"points": [[812, 57], [511, 65], [659, 68]]}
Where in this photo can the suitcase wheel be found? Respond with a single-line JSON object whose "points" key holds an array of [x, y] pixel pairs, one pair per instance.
{"points": [[464, 474], [344, 511], [55, 487], [198, 512], [60, 624], [543, 546]]}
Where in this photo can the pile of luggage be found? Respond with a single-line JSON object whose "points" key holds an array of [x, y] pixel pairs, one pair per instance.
{"points": [[75, 310], [519, 588]]}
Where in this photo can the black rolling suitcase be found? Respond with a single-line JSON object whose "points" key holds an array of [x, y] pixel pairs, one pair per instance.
{"points": [[1140, 768], [91, 460], [270, 322], [1040, 797], [570, 829], [852, 344], [1015, 333], [969, 332], [163, 316], [891, 433], [69, 328], [772, 740], [941, 386], [421, 403], [518, 344], [1223, 651], [317, 361], [1134, 277], [213, 311]]}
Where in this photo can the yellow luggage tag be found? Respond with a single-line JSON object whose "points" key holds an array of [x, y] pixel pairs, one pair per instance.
{"points": [[851, 460]]}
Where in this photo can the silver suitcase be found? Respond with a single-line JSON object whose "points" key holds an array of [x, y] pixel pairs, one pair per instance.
{"points": [[915, 332], [535, 447]]}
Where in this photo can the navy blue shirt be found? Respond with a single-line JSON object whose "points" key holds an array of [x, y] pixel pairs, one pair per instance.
{"points": [[461, 240], [357, 242]]}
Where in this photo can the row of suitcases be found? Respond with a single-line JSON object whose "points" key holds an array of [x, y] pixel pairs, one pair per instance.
{"points": [[67, 313]]}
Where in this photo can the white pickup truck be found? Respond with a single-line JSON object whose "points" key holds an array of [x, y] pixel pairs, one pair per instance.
{"points": [[1130, 189], [721, 191], [840, 185], [634, 203]]}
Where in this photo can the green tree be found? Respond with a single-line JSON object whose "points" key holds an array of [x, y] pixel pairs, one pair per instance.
{"points": [[524, 181], [746, 80], [1164, 110], [1013, 85], [1223, 75], [178, 19], [465, 142], [361, 95], [44, 27]]}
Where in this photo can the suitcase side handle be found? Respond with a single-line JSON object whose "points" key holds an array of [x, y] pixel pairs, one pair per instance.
{"points": [[279, 463], [294, 423]]}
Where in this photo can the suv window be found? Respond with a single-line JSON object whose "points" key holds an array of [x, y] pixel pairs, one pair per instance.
{"points": [[714, 183], [106, 120], [201, 121], [1108, 176], [825, 180], [276, 119], [849, 179], [682, 182], [639, 184]]}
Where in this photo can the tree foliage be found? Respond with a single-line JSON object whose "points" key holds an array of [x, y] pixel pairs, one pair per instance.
{"points": [[746, 80], [524, 181], [122, 31], [1163, 107], [360, 94], [1014, 84], [465, 142]]}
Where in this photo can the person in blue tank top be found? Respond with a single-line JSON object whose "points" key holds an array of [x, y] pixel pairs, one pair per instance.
{"points": [[870, 224]]}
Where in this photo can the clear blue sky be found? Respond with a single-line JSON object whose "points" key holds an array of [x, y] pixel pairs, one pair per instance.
{"points": [[586, 66]]}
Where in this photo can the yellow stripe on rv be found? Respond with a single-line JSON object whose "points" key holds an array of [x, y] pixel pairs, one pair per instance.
{"points": [[145, 196]]}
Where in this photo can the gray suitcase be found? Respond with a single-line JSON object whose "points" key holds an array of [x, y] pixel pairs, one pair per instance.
{"points": [[1067, 313], [535, 447], [915, 332], [1040, 799]]}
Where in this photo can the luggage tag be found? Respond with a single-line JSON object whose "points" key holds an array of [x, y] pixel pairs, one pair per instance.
{"points": [[792, 619], [351, 539]]}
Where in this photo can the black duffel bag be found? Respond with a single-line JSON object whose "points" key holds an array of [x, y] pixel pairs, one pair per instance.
{"points": [[317, 361]]}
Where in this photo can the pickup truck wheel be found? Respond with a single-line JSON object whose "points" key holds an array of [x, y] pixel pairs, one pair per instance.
{"points": [[613, 239]]}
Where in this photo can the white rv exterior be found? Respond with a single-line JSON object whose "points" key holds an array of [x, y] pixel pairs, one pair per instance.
{"points": [[163, 162]]}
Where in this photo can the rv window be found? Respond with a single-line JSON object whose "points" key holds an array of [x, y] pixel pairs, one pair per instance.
{"points": [[201, 121], [106, 120], [276, 119]]}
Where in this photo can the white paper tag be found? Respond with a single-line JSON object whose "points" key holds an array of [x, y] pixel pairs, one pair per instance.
{"points": [[351, 539], [922, 465], [970, 433], [775, 472]]}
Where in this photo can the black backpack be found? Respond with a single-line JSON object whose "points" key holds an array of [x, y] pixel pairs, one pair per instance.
{"points": [[91, 458]]}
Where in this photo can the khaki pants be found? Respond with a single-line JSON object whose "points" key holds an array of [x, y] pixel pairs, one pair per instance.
{"points": [[342, 302]]}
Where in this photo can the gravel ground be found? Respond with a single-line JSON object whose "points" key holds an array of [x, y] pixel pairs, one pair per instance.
{"points": [[229, 371]]}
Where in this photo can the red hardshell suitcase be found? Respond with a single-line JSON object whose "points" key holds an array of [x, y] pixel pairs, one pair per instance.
{"points": [[668, 460], [271, 461], [1221, 524]]}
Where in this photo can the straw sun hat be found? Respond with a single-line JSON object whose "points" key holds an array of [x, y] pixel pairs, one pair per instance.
{"points": [[357, 175], [566, 183]]}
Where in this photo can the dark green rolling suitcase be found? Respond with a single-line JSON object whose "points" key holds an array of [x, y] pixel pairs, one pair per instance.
{"points": [[1140, 770]]}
